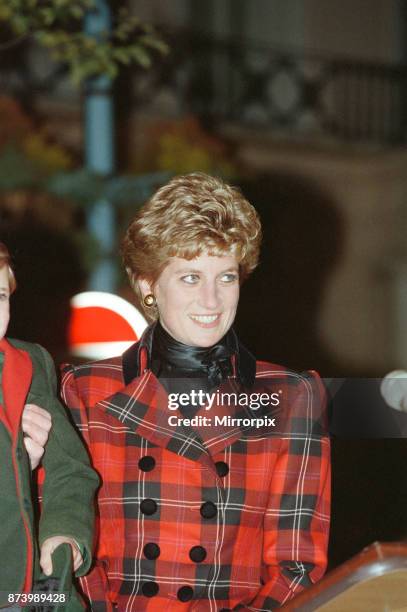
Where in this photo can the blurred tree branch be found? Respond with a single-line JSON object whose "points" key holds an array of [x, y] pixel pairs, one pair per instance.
{"points": [[57, 25]]}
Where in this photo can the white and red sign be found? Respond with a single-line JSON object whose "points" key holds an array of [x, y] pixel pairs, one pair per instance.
{"points": [[103, 325]]}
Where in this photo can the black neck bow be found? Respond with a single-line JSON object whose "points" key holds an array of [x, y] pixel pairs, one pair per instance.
{"points": [[173, 359]]}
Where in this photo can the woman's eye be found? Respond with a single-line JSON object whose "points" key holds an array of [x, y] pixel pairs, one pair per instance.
{"points": [[190, 279], [229, 278], [3, 297]]}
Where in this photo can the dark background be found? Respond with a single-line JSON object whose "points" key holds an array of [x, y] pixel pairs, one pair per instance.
{"points": [[306, 227]]}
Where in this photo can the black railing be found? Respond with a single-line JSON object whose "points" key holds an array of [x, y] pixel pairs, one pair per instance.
{"points": [[289, 92]]}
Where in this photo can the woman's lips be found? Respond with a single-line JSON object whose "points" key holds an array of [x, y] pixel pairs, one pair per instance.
{"points": [[205, 321]]}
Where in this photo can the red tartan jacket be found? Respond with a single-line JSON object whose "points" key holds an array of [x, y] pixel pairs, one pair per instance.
{"points": [[210, 517]]}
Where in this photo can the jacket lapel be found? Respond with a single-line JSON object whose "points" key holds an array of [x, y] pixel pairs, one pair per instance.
{"points": [[142, 405]]}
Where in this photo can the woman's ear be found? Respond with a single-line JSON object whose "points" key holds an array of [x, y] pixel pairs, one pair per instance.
{"points": [[140, 286], [144, 287]]}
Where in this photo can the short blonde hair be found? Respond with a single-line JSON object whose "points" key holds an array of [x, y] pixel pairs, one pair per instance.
{"points": [[190, 215], [5, 260]]}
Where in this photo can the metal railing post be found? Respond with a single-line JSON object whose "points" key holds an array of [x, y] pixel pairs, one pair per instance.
{"points": [[99, 156]]}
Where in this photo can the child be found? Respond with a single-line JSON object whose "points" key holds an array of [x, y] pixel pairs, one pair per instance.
{"points": [[27, 376]]}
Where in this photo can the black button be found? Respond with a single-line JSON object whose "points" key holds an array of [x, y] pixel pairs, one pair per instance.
{"points": [[222, 468], [19, 453], [197, 554], [185, 593], [147, 463], [151, 550], [208, 510], [225, 610], [149, 589], [148, 506]]}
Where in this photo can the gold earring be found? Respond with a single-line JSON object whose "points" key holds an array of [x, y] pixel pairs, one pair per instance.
{"points": [[149, 300]]}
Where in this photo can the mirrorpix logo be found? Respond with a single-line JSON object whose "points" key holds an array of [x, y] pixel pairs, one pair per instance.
{"points": [[200, 399]]}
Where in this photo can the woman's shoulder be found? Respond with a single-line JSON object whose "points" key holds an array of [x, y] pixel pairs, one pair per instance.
{"points": [[264, 368], [91, 381], [277, 373], [302, 395], [101, 367]]}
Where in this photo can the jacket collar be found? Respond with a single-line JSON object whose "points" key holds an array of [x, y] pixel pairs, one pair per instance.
{"points": [[142, 405], [15, 380]]}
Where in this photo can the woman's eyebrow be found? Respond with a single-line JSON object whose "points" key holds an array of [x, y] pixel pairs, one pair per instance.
{"points": [[193, 271], [234, 269]]}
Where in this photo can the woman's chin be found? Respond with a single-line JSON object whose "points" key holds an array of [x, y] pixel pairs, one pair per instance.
{"points": [[205, 337]]}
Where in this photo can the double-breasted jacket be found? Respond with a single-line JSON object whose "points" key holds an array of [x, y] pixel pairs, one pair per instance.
{"points": [[202, 517]]}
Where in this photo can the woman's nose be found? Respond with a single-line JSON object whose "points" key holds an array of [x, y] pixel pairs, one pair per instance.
{"points": [[208, 296]]}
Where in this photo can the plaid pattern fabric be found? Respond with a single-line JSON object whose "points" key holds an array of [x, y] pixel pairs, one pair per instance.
{"points": [[261, 528]]}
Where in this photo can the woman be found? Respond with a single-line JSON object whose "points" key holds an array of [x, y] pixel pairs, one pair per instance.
{"points": [[206, 503]]}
